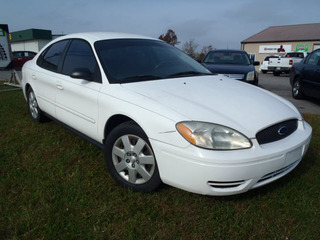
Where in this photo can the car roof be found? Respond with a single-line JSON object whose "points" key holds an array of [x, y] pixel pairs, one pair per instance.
{"points": [[228, 50], [23, 51], [96, 36]]}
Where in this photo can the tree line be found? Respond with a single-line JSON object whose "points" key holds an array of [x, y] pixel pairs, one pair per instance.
{"points": [[189, 47]]}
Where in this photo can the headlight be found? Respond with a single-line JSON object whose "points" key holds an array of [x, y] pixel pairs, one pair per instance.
{"points": [[212, 136], [250, 76]]}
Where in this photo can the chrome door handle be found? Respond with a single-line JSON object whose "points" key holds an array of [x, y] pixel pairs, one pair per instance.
{"points": [[59, 86]]}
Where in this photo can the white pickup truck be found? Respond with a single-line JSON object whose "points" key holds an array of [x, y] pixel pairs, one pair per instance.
{"points": [[284, 63]]}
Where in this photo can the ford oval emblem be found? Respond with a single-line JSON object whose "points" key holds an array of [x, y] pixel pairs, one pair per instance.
{"points": [[282, 130]]}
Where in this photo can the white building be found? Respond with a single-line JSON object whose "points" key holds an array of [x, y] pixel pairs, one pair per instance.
{"points": [[290, 38], [30, 39]]}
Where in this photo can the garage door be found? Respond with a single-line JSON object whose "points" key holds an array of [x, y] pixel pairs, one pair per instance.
{"points": [[316, 46]]}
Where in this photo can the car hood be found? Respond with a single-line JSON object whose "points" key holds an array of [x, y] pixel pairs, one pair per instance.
{"points": [[229, 68], [215, 99]]}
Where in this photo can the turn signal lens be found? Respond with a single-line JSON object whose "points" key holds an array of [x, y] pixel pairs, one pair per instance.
{"points": [[186, 133]]}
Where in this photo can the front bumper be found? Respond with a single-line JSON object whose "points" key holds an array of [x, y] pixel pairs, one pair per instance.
{"points": [[211, 172]]}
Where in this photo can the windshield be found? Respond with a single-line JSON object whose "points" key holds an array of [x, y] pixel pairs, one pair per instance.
{"points": [[227, 57], [132, 60]]}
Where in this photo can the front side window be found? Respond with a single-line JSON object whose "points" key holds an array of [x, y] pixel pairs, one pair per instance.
{"points": [[80, 56], [50, 58], [314, 58]]}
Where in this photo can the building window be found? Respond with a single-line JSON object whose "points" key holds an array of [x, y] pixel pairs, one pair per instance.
{"points": [[252, 56]]}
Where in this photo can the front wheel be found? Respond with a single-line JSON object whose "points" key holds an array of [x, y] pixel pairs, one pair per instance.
{"points": [[297, 89], [130, 158]]}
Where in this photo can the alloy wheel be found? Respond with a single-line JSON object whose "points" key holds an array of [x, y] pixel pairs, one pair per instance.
{"points": [[33, 105], [133, 159]]}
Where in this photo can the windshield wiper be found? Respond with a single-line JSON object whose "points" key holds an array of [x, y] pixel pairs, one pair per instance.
{"points": [[189, 73]]}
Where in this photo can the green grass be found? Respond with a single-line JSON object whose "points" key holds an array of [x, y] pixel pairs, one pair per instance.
{"points": [[54, 185]]}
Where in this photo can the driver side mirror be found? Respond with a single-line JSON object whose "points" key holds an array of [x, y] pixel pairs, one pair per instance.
{"points": [[256, 63], [82, 73]]}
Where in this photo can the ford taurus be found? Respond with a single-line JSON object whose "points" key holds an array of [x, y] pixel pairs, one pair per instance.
{"points": [[162, 117]]}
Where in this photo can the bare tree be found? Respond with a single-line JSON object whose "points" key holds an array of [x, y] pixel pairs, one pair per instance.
{"points": [[170, 37], [204, 51], [189, 48]]}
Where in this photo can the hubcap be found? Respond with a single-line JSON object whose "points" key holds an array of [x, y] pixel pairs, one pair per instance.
{"points": [[33, 105], [133, 159], [296, 88]]}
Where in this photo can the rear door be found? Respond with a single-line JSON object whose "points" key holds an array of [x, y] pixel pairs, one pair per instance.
{"points": [[45, 76]]}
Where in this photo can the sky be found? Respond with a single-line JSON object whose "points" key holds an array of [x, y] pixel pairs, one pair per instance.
{"points": [[219, 23]]}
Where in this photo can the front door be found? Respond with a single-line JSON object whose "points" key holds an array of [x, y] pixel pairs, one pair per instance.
{"points": [[77, 99], [310, 74]]}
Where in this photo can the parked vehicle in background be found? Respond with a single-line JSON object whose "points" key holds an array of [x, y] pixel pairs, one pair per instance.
{"points": [[162, 117], [265, 63], [20, 57], [283, 64], [305, 76], [235, 64]]}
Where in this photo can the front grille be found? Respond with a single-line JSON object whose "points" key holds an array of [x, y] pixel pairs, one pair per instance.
{"points": [[277, 132]]}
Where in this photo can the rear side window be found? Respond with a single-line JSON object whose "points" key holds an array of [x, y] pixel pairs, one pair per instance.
{"points": [[268, 58], [29, 54], [295, 54], [50, 58], [17, 54]]}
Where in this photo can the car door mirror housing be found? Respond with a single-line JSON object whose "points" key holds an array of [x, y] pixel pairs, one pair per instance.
{"points": [[256, 63], [82, 73]]}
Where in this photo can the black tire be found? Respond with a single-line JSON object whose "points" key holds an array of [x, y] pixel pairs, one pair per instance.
{"points": [[130, 158], [264, 71], [297, 89], [35, 112]]}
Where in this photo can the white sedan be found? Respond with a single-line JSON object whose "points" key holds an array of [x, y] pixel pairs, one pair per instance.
{"points": [[161, 117]]}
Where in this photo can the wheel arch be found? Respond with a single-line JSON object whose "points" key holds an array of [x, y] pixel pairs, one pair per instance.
{"points": [[27, 87], [114, 121], [296, 77]]}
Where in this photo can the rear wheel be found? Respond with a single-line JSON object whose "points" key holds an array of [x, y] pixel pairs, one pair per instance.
{"points": [[297, 89], [35, 112], [130, 158]]}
